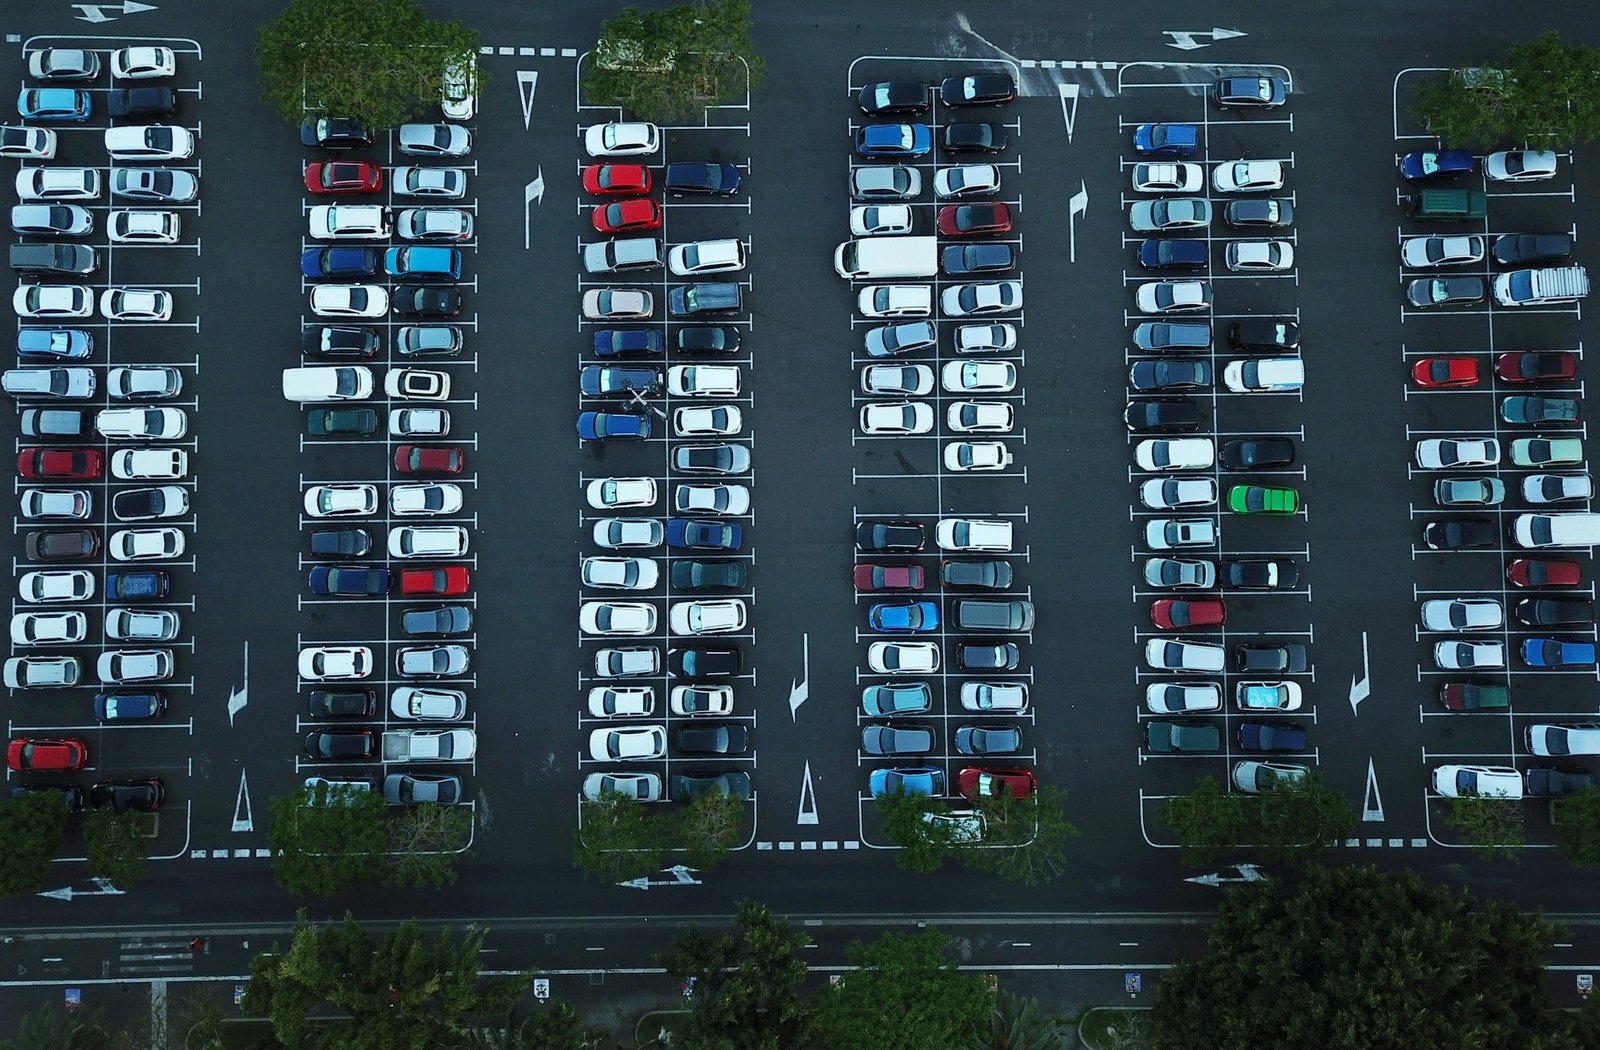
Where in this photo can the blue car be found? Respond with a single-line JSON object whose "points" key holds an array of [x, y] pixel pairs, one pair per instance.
{"points": [[895, 617], [324, 263], [1552, 652], [423, 263], [53, 104], [1271, 736], [1157, 254], [1166, 140], [68, 344], [130, 707], [692, 534], [348, 579], [976, 258], [720, 180], [1428, 164], [597, 426], [615, 381], [894, 140], [917, 780], [613, 342]]}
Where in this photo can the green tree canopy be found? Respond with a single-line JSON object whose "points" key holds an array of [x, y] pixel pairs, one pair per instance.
{"points": [[1578, 826], [709, 827], [323, 846], [1490, 825], [1545, 93], [668, 65], [32, 826], [1291, 820], [903, 995], [425, 843], [1026, 839], [745, 985], [619, 838], [115, 845]]}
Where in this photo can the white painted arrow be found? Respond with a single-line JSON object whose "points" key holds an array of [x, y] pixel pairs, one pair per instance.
{"points": [[533, 191], [97, 12], [1078, 205], [800, 688], [1188, 40], [680, 877], [239, 699], [102, 888], [1246, 873], [1361, 688]]}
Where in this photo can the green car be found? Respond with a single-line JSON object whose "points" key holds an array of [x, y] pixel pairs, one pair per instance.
{"points": [[1546, 452], [331, 422], [1259, 499]]}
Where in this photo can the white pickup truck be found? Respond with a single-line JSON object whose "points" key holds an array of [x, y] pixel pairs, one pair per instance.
{"points": [[1553, 284], [429, 745]]}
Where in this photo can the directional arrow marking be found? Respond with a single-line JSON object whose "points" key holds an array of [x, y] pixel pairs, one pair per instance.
{"points": [[680, 877], [103, 888], [1186, 40], [800, 689], [243, 819], [808, 799], [1245, 873], [1078, 205], [527, 84], [533, 191], [97, 12], [1068, 113], [1372, 803], [1361, 688], [239, 699]]}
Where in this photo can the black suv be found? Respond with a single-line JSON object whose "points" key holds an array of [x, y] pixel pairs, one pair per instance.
{"points": [[1512, 249], [1264, 333], [889, 536], [994, 574], [720, 662], [694, 575], [1162, 415]]}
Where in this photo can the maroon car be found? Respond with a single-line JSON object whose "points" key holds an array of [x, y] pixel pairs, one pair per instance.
{"points": [[1172, 614], [871, 577], [37, 464], [974, 220], [988, 783], [1537, 366], [1544, 572], [429, 459]]}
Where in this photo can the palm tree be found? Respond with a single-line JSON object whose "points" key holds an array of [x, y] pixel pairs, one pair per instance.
{"points": [[1016, 1024]]}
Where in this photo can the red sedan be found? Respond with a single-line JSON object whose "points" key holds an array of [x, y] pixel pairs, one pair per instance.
{"points": [[1445, 371], [41, 755], [1537, 366], [616, 180], [871, 577], [1544, 572], [627, 216], [988, 783], [447, 580], [1171, 614], [332, 178], [36, 464], [974, 220], [429, 459]]}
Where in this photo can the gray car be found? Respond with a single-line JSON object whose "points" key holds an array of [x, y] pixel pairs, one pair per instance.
{"points": [[431, 661], [897, 738], [996, 739], [888, 340], [885, 182], [1174, 213], [415, 789]]}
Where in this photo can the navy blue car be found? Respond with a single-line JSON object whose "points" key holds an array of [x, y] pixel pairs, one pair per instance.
{"points": [[894, 140], [1427, 164], [1167, 375], [614, 342], [57, 344], [689, 533], [719, 180], [1166, 140], [338, 263], [348, 579], [1553, 652], [617, 381], [1172, 255], [1271, 736], [141, 706], [597, 426]]}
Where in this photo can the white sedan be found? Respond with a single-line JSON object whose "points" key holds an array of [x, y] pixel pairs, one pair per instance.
{"points": [[966, 180], [135, 304], [622, 139], [58, 184], [703, 381], [1247, 176], [332, 222], [142, 424], [605, 493], [1167, 177], [148, 142], [146, 544], [1446, 453], [710, 617], [1462, 614], [869, 220], [1519, 165], [427, 541], [628, 574], [693, 700], [419, 422], [993, 377], [695, 422], [1259, 256], [1459, 781], [622, 701], [52, 300], [1161, 297], [149, 464], [1424, 252], [434, 497], [995, 697], [25, 143], [43, 628], [976, 455], [890, 380], [445, 183], [1177, 493], [630, 744], [320, 663], [614, 618], [1175, 454], [44, 587], [349, 300], [971, 300], [897, 417], [416, 703], [143, 227], [985, 338], [895, 300], [1461, 655], [973, 534], [341, 501], [903, 657], [610, 304], [711, 499], [1179, 698], [980, 417], [625, 533], [143, 63]]}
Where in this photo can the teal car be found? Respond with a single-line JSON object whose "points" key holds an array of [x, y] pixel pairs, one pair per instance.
{"points": [[1262, 499], [423, 263], [1546, 452], [54, 104]]}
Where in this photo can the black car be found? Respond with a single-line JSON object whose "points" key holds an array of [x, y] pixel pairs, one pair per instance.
{"points": [[994, 574], [1264, 333], [145, 796], [336, 133], [1167, 375], [139, 504], [890, 535], [894, 96], [436, 621], [412, 300], [71, 795], [1550, 781], [1513, 249], [428, 340], [332, 422], [57, 422], [354, 542], [720, 180], [339, 341], [707, 662], [976, 258], [1159, 337], [687, 788], [1443, 291], [974, 138], [1250, 92], [694, 575], [130, 706], [1162, 415], [342, 745], [711, 459], [1264, 574], [1178, 254], [713, 740], [1460, 534], [617, 380], [61, 545], [707, 339], [1554, 612], [1255, 453], [343, 703], [1270, 212], [978, 89], [141, 102], [972, 656], [1270, 658]]}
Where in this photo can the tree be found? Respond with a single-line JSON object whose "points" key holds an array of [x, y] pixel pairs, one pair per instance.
{"points": [[1358, 958], [1025, 839], [669, 65], [1490, 825], [902, 995], [745, 986], [115, 845], [377, 61], [558, 1027], [1016, 1024], [1578, 826], [52, 1028], [1295, 819], [32, 826], [618, 838], [923, 846], [709, 827], [1545, 93], [322, 845], [425, 842], [1207, 821]]}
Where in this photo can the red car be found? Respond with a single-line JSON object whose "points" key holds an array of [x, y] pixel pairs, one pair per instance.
{"points": [[1537, 366], [987, 783], [41, 755], [1543, 572], [333, 178], [446, 580], [627, 216], [1172, 614], [1445, 371], [974, 220], [871, 577], [38, 463], [429, 459], [616, 180]]}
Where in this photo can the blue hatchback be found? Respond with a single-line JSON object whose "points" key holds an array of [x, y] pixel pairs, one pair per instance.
{"points": [[597, 426], [691, 534], [918, 780], [1166, 140], [130, 706], [346, 579], [324, 263], [1157, 254], [1552, 652], [611, 342], [69, 344], [894, 140], [1428, 164], [423, 263], [53, 104], [897, 617], [617, 381]]}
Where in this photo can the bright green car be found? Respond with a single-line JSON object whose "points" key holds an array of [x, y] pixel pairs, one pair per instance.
{"points": [[1260, 499]]}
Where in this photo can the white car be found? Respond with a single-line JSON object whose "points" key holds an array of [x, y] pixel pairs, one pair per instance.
{"points": [[59, 382], [428, 498], [52, 300], [966, 180], [164, 185], [48, 628], [1170, 213], [458, 90], [629, 744], [134, 665], [62, 63], [628, 574], [432, 224], [895, 300], [1165, 534], [1247, 176], [871, 220], [1167, 177], [1424, 252], [51, 220], [884, 182], [1175, 454], [622, 701], [1183, 573], [444, 183], [427, 541], [996, 377], [349, 300], [641, 787], [144, 383], [143, 227], [985, 338], [434, 140], [903, 657], [1519, 165], [711, 499], [626, 533], [1458, 781], [1462, 614], [696, 422], [605, 493], [140, 142], [415, 703], [703, 381], [1557, 488], [135, 304], [622, 139], [609, 304], [417, 384], [56, 504], [971, 300], [1458, 654], [697, 257], [146, 544], [143, 63], [1178, 655], [972, 534], [41, 672], [58, 184], [891, 380], [707, 617], [1178, 493], [973, 417], [896, 417], [1163, 297], [142, 625], [1446, 453], [341, 501], [332, 222], [1546, 740], [995, 697], [1280, 374], [612, 618], [24, 143], [321, 663], [1259, 256], [142, 424], [1181, 698], [419, 422], [976, 455], [149, 464], [47, 586]]}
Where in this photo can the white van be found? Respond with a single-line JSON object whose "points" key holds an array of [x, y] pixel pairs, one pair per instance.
{"points": [[1556, 530], [880, 258], [341, 383]]}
